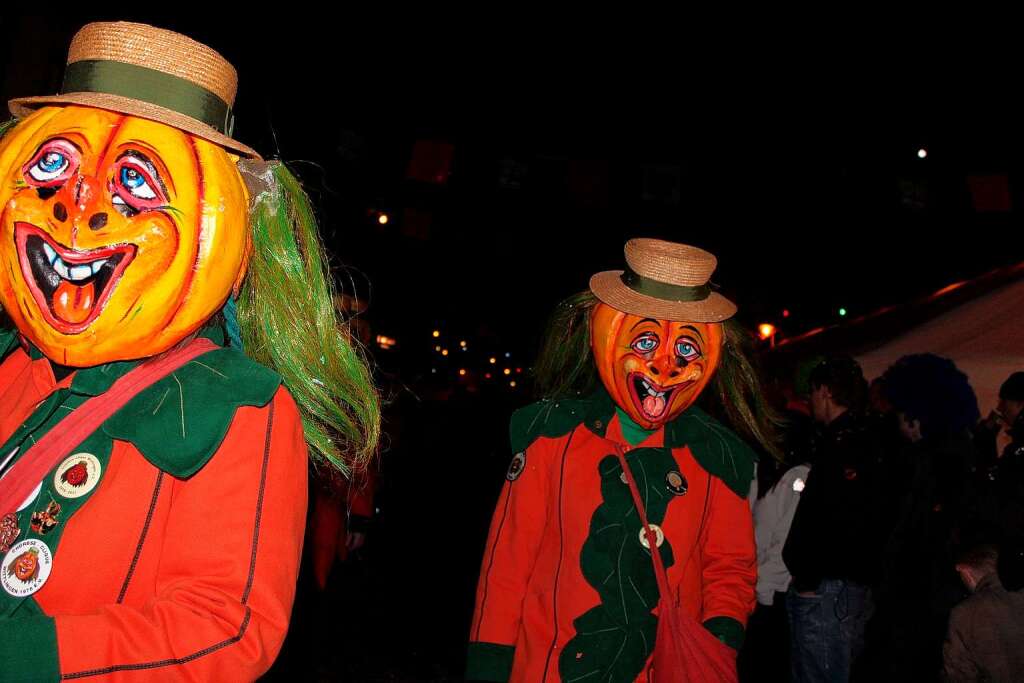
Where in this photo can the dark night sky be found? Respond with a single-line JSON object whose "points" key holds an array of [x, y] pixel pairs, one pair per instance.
{"points": [[795, 164]]}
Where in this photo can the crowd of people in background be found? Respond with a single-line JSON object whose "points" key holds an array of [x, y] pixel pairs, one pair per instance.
{"points": [[890, 538]]}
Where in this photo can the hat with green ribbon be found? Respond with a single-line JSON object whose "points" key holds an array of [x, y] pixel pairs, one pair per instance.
{"points": [[150, 73], [665, 281]]}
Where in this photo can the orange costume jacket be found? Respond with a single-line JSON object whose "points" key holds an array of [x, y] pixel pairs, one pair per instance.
{"points": [[169, 541], [567, 591]]}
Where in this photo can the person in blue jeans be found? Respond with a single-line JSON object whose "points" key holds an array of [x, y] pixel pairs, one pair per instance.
{"points": [[827, 627], [834, 547]]}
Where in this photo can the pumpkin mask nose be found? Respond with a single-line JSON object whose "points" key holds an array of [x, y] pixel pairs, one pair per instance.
{"points": [[80, 194]]}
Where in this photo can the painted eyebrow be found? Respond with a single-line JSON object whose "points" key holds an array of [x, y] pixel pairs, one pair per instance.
{"points": [[695, 331], [54, 138], [79, 132], [641, 322]]}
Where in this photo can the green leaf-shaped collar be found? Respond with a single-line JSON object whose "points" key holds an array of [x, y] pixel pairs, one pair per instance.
{"points": [[715, 448], [179, 422]]}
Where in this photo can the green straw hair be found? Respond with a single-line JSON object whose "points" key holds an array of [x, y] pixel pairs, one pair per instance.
{"points": [[565, 369], [740, 392], [6, 126], [565, 366], [289, 323]]}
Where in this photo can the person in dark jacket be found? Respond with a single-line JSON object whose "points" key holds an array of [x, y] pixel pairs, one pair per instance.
{"points": [[834, 544], [1006, 476], [936, 409], [985, 641]]}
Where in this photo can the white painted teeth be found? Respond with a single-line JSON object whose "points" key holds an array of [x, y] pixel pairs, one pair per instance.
{"points": [[74, 272], [61, 269], [81, 272], [651, 391]]}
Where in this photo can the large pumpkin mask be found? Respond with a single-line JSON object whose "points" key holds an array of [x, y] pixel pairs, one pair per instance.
{"points": [[653, 369], [119, 236], [657, 332]]}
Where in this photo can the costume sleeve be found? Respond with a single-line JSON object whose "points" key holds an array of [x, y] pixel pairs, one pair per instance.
{"points": [[787, 501], [224, 590], [730, 565], [509, 558]]}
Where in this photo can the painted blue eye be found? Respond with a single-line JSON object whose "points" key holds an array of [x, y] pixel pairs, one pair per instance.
{"points": [[131, 178], [645, 344], [53, 162], [135, 182], [50, 166], [687, 350]]}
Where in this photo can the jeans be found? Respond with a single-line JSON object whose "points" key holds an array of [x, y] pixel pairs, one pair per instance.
{"points": [[827, 630]]}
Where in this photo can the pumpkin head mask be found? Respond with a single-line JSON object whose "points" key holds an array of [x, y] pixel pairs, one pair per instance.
{"points": [[656, 334], [119, 236], [653, 369]]}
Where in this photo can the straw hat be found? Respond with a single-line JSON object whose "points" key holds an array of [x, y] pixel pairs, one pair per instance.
{"points": [[151, 73], [664, 280]]}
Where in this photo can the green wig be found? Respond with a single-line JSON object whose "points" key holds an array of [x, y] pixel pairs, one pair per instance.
{"points": [[565, 368], [288, 322], [7, 125]]}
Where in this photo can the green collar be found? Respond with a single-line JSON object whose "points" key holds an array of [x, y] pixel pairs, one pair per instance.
{"points": [[715, 448], [87, 381], [631, 431], [178, 422], [97, 379]]}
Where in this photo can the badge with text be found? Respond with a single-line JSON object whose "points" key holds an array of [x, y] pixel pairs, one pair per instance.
{"points": [[26, 567], [77, 475]]}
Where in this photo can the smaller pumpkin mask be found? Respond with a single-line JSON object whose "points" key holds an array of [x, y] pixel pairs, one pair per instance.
{"points": [[653, 369]]}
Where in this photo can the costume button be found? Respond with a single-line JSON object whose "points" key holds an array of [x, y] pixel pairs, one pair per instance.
{"points": [[659, 537]]}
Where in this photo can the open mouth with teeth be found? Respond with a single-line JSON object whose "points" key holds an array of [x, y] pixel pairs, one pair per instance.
{"points": [[70, 286], [650, 398]]}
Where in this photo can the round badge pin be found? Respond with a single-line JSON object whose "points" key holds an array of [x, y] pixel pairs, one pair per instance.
{"points": [[31, 497], [516, 467], [676, 483], [9, 531], [659, 537], [26, 567], [77, 475]]}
